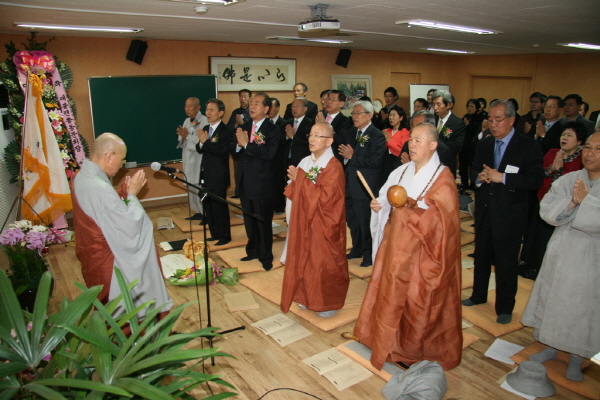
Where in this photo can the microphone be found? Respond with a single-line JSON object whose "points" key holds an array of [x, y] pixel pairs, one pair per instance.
{"points": [[158, 167]]}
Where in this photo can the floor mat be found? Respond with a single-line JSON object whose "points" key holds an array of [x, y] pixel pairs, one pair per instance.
{"points": [[466, 226], [355, 269], [238, 238], [232, 258], [268, 285], [349, 349], [590, 385], [484, 315], [184, 224]]}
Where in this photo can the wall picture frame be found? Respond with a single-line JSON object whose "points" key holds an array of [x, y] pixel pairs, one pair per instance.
{"points": [[255, 74], [354, 86]]}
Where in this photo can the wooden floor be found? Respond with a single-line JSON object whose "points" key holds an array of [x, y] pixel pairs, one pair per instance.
{"points": [[261, 364]]}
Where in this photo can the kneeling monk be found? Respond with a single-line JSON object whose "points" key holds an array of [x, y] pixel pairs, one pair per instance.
{"points": [[411, 311], [316, 268], [112, 229]]}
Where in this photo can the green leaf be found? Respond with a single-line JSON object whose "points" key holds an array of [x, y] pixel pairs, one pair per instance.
{"points": [[169, 356], [8, 394], [84, 384], [127, 300], [44, 391], [40, 309], [11, 312], [142, 389], [102, 355], [12, 368], [93, 337]]}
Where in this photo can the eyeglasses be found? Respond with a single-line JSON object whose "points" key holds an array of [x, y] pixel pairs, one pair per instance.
{"points": [[591, 149], [123, 161], [496, 121], [359, 112], [320, 137]]}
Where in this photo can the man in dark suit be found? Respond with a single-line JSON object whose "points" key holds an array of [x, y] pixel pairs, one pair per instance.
{"points": [[362, 152], [425, 117], [214, 143], [238, 117], [571, 109], [548, 132], [595, 118], [255, 148], [280, 158], [300, 90], [507, 165], [450, 127], [342, 125], [296, 132]]}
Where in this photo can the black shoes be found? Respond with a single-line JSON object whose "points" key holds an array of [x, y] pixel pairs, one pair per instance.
{"points": [[248, 258], [211, 239], [366, 263], [221, 242], [195, 217]]}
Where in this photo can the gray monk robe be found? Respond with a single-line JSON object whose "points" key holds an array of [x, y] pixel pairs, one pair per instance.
{"points": [[564, 307], [111, 233]]}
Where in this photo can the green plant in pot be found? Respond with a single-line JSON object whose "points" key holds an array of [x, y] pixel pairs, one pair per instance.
{"points": [[81, 352], [24, 244]]}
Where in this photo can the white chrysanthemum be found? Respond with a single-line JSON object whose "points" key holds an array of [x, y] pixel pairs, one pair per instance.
{"points": [[39, 228]]}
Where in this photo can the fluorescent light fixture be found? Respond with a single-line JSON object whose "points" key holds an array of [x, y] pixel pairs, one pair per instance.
{"points": [[33, 25], [299, 39], [581, 46], [446, 27], [211, 2], [449, 51]]}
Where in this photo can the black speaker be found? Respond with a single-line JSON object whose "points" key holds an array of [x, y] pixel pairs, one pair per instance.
{"points": [[343, 58], [136, 51]]}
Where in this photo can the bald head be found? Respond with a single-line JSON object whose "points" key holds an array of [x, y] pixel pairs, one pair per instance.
{"points": [[326, 129], [108, 152]]}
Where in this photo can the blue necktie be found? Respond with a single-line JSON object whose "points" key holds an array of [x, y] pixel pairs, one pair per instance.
{"points": [[210, 132], [498, 153]]}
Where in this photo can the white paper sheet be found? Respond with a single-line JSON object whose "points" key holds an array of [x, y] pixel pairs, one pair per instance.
{"points": [[327, 361], [502, 350]]}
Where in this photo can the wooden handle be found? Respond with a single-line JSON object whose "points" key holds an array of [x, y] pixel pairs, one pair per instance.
{"points": [[365, 184]]}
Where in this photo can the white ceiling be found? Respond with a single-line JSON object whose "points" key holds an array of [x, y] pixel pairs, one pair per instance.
{"points": [[528, 26]]}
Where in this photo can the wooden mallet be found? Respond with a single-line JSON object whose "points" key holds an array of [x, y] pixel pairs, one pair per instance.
{"points": [[365, 184]]}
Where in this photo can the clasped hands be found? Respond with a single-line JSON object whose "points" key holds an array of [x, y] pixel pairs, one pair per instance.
{"points": [[580, 190], [181, 131], [346, 151], [489, 175], [133, 184], [242, 137]]}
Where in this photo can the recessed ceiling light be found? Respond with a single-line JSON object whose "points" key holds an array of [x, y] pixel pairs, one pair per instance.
{"points": [[581, 46], [449, 51], [446, 27], [32, 25], [299, 39]]}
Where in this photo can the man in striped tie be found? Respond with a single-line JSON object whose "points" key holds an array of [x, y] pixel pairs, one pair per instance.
{"points": [[506, 167]]}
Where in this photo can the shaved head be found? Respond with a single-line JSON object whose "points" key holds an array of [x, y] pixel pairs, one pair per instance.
{"points": [[105, 143]]}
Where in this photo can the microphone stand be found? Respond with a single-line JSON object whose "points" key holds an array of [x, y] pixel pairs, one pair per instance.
{"points": [[204, 192]]}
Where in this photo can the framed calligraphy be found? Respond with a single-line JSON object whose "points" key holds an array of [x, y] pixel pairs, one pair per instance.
{"points": [[354, 86], [256, 74]]}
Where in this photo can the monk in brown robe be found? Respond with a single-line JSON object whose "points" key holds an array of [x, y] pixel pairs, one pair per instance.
{"points": [[411, 311], [316, 268]]}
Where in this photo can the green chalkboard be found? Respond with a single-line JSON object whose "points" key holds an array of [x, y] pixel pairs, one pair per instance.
{"points": [[145, 111]]}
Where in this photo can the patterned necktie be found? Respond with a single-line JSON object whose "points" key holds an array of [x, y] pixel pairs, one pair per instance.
{"points": [[210, 132], [357, 136], [498, 153], [295, 125], [440, 125], [328, 120], [252, 133]]}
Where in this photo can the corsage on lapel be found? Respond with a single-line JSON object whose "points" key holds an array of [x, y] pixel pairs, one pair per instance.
{"points": [[362, 139]]}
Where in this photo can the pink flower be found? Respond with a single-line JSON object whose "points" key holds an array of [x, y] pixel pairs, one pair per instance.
{"points": [[29, 326], [47, 357], [11, 237], [37, 240]]}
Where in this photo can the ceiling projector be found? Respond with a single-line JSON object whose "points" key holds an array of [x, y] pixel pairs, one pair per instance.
{"points": [[319, 22]]}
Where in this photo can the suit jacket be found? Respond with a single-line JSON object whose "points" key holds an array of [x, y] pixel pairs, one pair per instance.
{"points": [[256, 175], [453, 140], [342, 128], [589, 125], [367, 159], [311, 111], [443, 152], [298, 145], [594, 117], [552, 138], [507, 203], [215, 159], [244, 111]]}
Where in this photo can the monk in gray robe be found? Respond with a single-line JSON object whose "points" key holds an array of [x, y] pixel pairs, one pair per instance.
{"points": [[563, 307], [112, 228]]}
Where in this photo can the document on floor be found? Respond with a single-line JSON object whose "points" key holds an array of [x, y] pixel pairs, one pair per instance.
{"points": [[502, 350], [282, 329], [338, 368]]}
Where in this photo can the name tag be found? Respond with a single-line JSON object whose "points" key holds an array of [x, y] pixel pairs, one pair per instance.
{"points": [[511, 169]]}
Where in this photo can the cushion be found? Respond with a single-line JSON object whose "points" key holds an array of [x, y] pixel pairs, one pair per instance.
{"points": [[269, 284], [466, 226], [238, 238], [184, 224], [355, 269], [232, 258], [484, 315]]}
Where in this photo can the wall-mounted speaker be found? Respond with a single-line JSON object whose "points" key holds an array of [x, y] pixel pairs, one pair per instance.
{"points": [[343, 58], [136, 51]]}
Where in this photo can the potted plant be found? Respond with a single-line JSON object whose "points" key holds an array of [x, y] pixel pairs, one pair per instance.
{"points": [[81, 352], [24, 245]]}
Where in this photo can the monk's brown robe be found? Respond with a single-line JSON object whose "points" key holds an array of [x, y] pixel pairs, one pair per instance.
{"points": [[411, 311], [316, 268]]}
